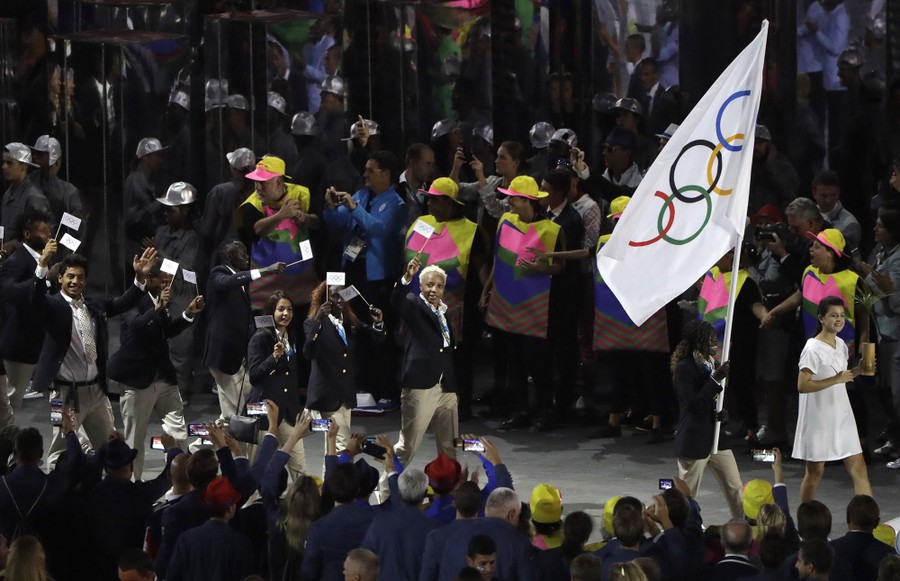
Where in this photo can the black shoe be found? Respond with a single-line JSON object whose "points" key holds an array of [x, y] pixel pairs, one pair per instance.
{"points": [[519, 420], [545, 422], [606, 431], [883, 437], [656, 436], [494, 413]]}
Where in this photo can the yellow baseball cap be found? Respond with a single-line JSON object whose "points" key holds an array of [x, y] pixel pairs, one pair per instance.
{"points": [[444, 187], [830, 237], [756, 493], [524, 187], [546, 504], [885, 534], [608, 510], [268, 167], [618, 206]]}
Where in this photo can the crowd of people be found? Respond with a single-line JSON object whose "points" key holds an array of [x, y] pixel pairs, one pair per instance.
{"points": [[328, 276]]}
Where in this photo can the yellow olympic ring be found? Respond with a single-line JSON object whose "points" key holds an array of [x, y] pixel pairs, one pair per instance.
{"points": [[712, 158]]}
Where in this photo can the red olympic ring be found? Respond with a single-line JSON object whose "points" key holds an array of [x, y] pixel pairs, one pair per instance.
{"points": [[665, 231]]}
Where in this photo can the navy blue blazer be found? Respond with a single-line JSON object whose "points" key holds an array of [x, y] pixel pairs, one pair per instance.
{"points": [[862, 551], [515, 555], [695, 390], [330, 539], [278, 380], [332, 381], [435, 543], [144, 348], [398, 536], [733, 567], [188, 513], [228, 316], [213, 550], [22, 333], [425, 359], [57, 315]]}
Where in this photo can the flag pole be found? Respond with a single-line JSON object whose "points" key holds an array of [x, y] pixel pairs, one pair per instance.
{"points": [[729, 320]]}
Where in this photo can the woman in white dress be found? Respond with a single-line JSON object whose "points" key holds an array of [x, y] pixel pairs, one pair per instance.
{"points": [[826, 428]]}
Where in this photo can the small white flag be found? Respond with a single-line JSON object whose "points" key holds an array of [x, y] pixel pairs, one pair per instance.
{"points": [[306, 250], [264, 321], [335, 278], [189, 276], [424, 229], [168, 266], [349, 293], [70, 242], [70, 221], [2, 233]]}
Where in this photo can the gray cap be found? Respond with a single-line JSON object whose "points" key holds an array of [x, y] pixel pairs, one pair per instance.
{"points": [[629, 104], [179, 194], [50, 145], [216, 92], [851, 57], [763, 133], [241, 159], [540, 134], [603, 102], [18, 152], [333, 84], [485, 132], [354, 129], [277, 102], [672, 128], [181, 99], [237, 101], [303, 123], [442, 128], [565, 135], [877, 26], [148, 145]]}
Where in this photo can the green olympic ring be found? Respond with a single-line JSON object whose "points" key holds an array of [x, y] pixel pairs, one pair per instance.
{"points": [[669, 203]]}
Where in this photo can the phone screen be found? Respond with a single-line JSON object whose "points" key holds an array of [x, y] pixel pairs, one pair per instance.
{"points": [[320, 425], [763, 455], [198, 430], [666, 483], [257, 408], [156, 443], [56, 412], [469, 444]]}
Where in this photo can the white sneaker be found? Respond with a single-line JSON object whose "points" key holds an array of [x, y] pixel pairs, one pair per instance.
{"points": [[31, 394], [894, 464], [761, 432], [888, 448]]}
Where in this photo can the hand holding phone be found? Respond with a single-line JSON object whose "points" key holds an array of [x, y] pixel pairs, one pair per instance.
{"points": [[321, 425], [469, 444], [257, 408], [56, 412], [156, 443], [666, 483], [764, 456]]}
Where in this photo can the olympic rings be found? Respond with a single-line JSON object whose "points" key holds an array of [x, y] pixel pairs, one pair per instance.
{"points": [[662, 231], [669, 204], [717, 153], [725, 144], [712, 184]]}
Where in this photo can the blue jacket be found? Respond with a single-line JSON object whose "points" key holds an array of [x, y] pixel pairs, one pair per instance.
{"points": [[213, 550], [398, 536], [515, 555], [435, 543], [381, 226], [330, 539], [862, 551]]}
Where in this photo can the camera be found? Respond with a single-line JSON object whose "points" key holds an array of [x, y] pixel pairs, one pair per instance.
{"points": [[767, 232]]}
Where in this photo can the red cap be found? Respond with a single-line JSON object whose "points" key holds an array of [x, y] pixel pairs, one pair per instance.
{"points": [[443, 473], [220, 494], [769, 211]]}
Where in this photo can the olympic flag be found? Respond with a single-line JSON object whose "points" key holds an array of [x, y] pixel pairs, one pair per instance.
{"points": [[691, 206]]}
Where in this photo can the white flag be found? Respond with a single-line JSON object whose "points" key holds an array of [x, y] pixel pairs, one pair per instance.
{"points": [[264, 321], [306, 250], [335, 278], [692, 203], [424, 229], [189, 276], [169, 266], [70, 221], [70, 242], [349, 293]]}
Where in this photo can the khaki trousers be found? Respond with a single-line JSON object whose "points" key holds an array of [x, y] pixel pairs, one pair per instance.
{"points": [[138, 404], [94, 419], [6, 411], [418, 409], [229, 387], [297, 463], [725, 469], [18, 375], [342, 417]]}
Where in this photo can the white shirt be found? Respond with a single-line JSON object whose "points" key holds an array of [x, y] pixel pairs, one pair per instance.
{"points": [[39, 271], [75, 365]]}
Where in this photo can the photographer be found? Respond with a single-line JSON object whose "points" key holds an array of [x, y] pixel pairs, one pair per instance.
{"points": [[792, 247]]}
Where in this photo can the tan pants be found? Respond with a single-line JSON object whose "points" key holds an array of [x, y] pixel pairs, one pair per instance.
{"points": [[342, 417], [6, 411], [229, 387], [18, 375], [297, 463], [418, 409], [138, 404], [725, 469], [94, 418]]}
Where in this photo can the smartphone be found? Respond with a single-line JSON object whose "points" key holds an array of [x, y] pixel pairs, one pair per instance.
{"points": [[257, 408], [198, 430], [764, 455], [56, 412], [320, 425], [156, 443], [372, 449], [469, 445], [666, 483]]}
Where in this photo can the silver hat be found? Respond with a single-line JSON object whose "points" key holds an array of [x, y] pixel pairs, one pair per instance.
{"points": [[485, 132], [540, 134], [237, 102], [148, 145], [355, 128], [763, 133], [216, 93], [603, 102], [851, 58], [333, 84], [18, 152], [629, 104], [277, 102], [181, 99], [241, 158], [179, 194], [565, 135], [442, 128], [673, 127], [50, 145], [303, 123]]}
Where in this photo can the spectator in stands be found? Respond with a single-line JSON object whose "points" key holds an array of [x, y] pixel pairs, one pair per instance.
{"points": [[136, 565], [62, 196], [826, 191], [413, 182], [889, 569], [512, 161], [859, 547], [622, 174], [361, 565], [311, 158], [468, 501], [628, 528], [482, 556], [773, 178], [586, 567], [815, 560], [554, 564], [26, 560], [737, 536], [657, 102], [626, 571], [546, 515], [142, 207], [631, 115], [218, 222]]}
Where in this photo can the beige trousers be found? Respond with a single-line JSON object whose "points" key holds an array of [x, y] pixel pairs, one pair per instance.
{"points": [[138, 404], [94, 418], [18, 375], [6, 411], [420, 408], [297, 463], [229, 387], [725, 469]]}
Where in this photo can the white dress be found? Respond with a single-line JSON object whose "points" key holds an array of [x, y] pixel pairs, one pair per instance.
{"points": [[826, 428]]}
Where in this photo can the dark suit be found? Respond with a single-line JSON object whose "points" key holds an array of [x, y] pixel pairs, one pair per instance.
{"points": [[278, 380], [425, 359], [211, 551], [733, 567], [188, 513], [660, 113], [332, 382], [22, 334], [435, 543], [228, 317], [330, 539], [398, 536], [695, 389], [515, 556], [862, 551]]}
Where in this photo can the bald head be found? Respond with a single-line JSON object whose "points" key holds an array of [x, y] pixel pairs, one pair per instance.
{"points": [[737, 537], [361, 565], [503, 503], [178, 473]]}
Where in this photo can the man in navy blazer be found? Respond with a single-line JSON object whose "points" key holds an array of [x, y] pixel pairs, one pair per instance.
{"points": [[737, 536], [398, 535], [73, 365], [859, 547], [515, 555], [228, 318], [428, 376], [144, 367], [467, 502], [22, 334]]}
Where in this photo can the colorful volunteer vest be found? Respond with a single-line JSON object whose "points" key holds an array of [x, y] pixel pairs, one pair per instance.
{"points": [[712, 305], [613, 328], [816, 286], [282, 245], [450, 247], [520, 301]]}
